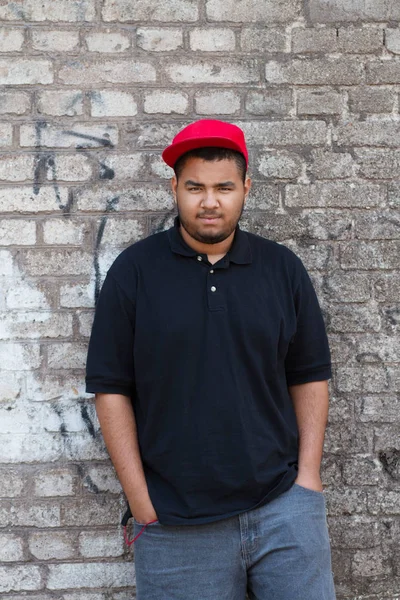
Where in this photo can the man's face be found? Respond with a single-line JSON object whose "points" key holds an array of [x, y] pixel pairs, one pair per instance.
{"points": [[210, 197]]}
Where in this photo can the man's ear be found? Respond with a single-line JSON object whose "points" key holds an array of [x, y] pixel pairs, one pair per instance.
{"points": [[247, 187], [174, 185]]}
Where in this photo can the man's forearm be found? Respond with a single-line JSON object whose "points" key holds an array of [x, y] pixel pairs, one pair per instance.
{"points": [[311, 403], [118, 426]]}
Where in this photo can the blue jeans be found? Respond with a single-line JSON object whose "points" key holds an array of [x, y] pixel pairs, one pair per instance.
{"points": [[279, 551]]}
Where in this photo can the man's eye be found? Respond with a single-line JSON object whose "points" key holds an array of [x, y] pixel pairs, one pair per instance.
{"points": [[193, 189], [226, 189]]}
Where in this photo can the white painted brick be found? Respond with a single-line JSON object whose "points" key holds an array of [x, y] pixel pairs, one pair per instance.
{"points": [[17, 357], [14, 167], [24, 200], [92, 510], [11, 548], [53, 40], [25, 295], [12, 483], [264, 11], [48, 545], [90, 575], [109, 103], [263, 39], [126, 166], [30, 447], [69, 167], [107, 41], [55, 482], [70, 416], [6, 263], [85, 323], [166, 102], [48, 10], [67, 356], [141, 198], [212, 39], [158, 167], [82, 447], [77, 135], [56, 262], [63, 231], [25, 71], [15, 418], [10, 387], [126, 10], [5, 132], [120, 231], [124, 595], [94, 544], [14, 103], [216, 71], [159, 40], [77, 295], [103, 477], [17, 231], [49, 386], [218, 102], [38, 514], [107, 71], [58, 103], [33, 325], [11, 40], [17, 578]]}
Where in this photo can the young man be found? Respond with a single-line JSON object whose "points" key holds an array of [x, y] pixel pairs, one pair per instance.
{"points": [[209, 360]]}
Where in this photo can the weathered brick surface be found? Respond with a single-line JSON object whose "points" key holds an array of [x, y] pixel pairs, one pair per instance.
{"points": [[92, 91]]}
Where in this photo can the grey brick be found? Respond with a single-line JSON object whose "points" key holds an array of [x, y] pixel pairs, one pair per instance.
{"points": [[371, 563], [266, 39], [279, 164], [269, 102], [253, 11], [81, 134], [11, 548], [284, 133], [354, 319], [384, 502], [315, 71], [93, 511], [49, 545], [215, 71], [386, 286], [382, 71], [218, 102], [371, 133], [361, 469], [330, 165], [377, 225], [371, 100], [60, 102], [212, 39], [378, 163], [108, 103], [340, 194], [378, 409], [370, 255], [316, 102], [151, 198], [392, 40], [56, 262], [21, 577], [349, 10], [107, 41], [135, 10]]}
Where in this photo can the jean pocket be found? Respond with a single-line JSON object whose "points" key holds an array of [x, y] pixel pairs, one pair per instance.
{"points": [[310, 491], [145, 524]]}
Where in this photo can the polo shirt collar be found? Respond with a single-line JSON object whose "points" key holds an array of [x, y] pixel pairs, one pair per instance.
{"points": [[239, 252]]}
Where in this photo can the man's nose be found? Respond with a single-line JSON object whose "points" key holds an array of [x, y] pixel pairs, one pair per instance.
{"points": [[209, 199]]}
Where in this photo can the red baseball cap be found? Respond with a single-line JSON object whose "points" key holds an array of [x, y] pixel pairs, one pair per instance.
{"points": [[206, 132]]}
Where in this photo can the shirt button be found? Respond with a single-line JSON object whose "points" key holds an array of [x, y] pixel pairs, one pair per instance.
{"points": [[211, 270], [213, 288], [199, 258]]}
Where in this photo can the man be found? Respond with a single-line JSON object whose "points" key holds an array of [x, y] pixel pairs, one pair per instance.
{"points": [[209, 360]]}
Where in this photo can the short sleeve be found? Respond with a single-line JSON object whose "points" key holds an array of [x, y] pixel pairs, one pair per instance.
{"points": [[308, 357], [109, 365]]}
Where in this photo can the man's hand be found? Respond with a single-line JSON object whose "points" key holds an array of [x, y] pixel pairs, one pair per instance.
{"points": [[310, 480], [145, 516]]}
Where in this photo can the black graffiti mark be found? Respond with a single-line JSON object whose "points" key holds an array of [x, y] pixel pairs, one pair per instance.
{"points": [[87, 480], [92, 138], [104, 172], [390, 460], [43, 162], [88, 421], [63, 427], [110, 207], [160, 225]]}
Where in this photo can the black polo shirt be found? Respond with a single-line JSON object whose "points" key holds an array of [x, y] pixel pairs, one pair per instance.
{"points": [[206, 353]]}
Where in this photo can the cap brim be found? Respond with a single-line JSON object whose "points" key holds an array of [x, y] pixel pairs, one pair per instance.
{"points": [[171, 154]]}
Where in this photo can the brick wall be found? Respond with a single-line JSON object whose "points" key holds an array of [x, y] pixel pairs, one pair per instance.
{"points": [[91, 93]]}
